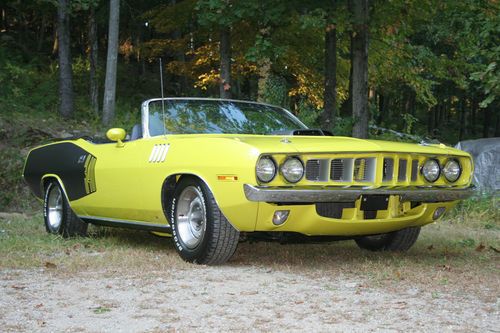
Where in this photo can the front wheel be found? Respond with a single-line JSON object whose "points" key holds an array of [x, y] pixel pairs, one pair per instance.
{"points": [[58, 216], [401, 240], [200, 231]]}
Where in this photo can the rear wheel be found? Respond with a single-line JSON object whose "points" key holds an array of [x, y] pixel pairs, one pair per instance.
{"points": [[58, 216], [200, 231], [401, 240]]}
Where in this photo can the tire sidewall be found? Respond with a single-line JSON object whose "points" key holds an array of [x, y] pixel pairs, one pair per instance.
{"points": [[197, 254], [48, 226]]}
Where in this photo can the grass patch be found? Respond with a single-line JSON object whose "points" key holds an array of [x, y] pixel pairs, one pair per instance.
{"points": [[24, 243], [460, 250]]}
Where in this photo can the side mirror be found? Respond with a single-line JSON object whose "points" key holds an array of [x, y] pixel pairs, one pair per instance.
{"points": [[116, 134]]}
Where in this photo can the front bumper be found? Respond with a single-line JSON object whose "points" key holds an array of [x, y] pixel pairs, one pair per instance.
{"points": [[312, 194]]}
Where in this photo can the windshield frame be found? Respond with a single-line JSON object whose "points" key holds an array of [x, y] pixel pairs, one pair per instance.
{"points": [[145, 110]]}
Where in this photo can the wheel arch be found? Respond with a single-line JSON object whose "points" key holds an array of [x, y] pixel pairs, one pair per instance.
{"points": [[168, 188], [44, 181]]}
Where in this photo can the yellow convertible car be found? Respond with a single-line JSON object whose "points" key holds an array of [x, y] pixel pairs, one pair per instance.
{"points": [[209, 172]]}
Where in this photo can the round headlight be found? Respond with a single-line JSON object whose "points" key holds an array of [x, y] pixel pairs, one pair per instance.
{"points": [[452, 170], [292, 169], [431, 170], [265, 169]]}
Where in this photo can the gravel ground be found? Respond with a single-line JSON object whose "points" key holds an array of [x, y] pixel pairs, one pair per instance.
{"points": [[230, 299]]}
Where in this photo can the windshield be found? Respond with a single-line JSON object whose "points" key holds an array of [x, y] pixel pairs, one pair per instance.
{"points": [[216, 116]]}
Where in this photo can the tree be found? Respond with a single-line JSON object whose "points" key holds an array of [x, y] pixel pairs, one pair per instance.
{"points": [[225, 62], [108, 108], [220, 15], [93, 56], [330, 88], [65, 64], [359, 51]]}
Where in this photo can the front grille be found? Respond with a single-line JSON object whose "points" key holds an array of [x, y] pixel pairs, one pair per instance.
{"points": [[392, 169], [332, 210], [402, 170], [312, 170], [414, 170], [388, 169], [341, 169], [364, 169]]}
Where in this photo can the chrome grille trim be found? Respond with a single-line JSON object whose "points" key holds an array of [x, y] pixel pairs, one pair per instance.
{"points": [[317, 170], [402, 170], [388, 169], [364, 169], [414, 170], [312, 170], [341, 169]]}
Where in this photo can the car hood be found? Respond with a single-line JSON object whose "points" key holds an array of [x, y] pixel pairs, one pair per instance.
{"points": [[328, 144], [323, 144]]}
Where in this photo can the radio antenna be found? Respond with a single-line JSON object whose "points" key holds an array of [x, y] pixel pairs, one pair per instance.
{"points": [[162, 99]]}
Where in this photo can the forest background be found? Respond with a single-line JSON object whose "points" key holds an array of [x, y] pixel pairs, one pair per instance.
{"points": [[401, 69]]}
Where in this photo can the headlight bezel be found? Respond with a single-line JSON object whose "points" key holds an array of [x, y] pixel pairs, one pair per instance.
{"points": [[460, 170], [439, 170], [275, 171], [288, 159]]}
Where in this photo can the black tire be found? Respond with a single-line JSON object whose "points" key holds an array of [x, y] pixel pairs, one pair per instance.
{"points": [[401, 240], [204, 236], [58, 216]]}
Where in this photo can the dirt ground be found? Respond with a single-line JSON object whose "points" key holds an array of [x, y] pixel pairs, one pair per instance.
{"points": [[231, 298]]}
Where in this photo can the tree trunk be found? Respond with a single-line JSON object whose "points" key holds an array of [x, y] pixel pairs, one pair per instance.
{"points": [[264, 74], [330, 93], [225, 63], [41, 34], [430, 120], [108, 107], [437, 112], [473, 115], [381, 109], [93, 56], [359, 49], [55, 45], [497, 126], [346, 107], [463, 118], [65, 70], [486, 122], [4, 20]]}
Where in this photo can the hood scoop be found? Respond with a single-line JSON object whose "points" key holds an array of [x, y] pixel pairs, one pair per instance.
{"points": [[304, 132]]}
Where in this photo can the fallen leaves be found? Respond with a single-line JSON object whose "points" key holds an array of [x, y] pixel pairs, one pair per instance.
{"points": [[18, 287], [480, 247], [50, 265], [445, 267], [400, 305]]}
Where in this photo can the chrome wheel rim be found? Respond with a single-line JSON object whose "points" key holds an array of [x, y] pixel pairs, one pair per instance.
{"points": [[54, 208], [191, 217]]}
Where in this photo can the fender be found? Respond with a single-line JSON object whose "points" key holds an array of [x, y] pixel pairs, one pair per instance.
{"points": [[73, 166]]}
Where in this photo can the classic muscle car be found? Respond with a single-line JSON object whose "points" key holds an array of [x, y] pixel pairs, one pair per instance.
{"points": [[207, 171]]}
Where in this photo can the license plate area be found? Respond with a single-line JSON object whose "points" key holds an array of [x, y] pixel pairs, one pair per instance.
{"points": [[374, 202]]}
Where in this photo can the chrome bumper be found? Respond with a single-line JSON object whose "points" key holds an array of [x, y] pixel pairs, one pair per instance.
{"points": [[314, 194]]}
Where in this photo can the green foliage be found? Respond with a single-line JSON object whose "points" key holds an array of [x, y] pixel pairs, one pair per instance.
{"points": [[23, 86], [10, 174], [483, 210], [490, 80], [409, 120], [308, 114], [276, 91]]}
